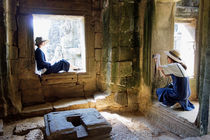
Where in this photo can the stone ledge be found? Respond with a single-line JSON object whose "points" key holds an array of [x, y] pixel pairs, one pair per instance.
{"points": [[163, 117], [69, 104], [64, 104], [36, 110]]}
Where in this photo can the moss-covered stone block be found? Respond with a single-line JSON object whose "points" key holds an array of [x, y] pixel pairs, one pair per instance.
{"points": [[126, 24], [123, 81], [129, 10], [104, 53], [115, 39], [114, 72], [125, 53], [114, 20], [124, 68], [121, 98], [132, 95], [126, 39], [115, 54]]}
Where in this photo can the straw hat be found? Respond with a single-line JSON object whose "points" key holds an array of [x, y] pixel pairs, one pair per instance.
{"points": [[175, 55], [39, 40]]}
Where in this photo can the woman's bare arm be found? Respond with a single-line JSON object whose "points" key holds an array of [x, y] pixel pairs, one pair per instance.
{"points": [[159, 66]]}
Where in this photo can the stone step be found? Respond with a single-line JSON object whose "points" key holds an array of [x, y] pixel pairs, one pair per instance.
{"points": [[164, 117], [63, 104], [37, 110]]}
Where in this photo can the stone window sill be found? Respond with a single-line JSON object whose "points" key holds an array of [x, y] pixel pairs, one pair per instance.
{"points": [[61, 78]]}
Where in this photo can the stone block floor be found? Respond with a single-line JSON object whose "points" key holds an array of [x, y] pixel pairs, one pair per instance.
{"points": [[125, 126]]}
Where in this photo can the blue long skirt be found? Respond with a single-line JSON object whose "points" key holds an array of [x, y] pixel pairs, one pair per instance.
{"points": [[58, 66], [177, 92]]}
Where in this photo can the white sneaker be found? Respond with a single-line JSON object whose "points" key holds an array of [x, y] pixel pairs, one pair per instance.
{"points": [[176, 106], [163, 105]]}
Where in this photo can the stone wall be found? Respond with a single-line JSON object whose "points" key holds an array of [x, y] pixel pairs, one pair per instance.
{"points": [[19, 83], [120, 54], [63, 85], [146, 11], [10, 98]]}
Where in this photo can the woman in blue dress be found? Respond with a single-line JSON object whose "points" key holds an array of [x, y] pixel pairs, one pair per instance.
{"points": [[41, 60], [179, 89]]}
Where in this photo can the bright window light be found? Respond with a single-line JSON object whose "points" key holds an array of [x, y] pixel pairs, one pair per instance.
{"points": [[66, 35], [184, 42]]}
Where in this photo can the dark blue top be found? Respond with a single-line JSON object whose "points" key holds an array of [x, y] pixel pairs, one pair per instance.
{"points": [[40, 59]]}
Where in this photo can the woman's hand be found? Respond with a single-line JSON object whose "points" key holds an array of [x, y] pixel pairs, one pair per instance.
{"points": [[156, 57]]}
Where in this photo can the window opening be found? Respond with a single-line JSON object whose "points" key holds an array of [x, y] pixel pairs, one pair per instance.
{"points": [[66, 37], [184, 42]]}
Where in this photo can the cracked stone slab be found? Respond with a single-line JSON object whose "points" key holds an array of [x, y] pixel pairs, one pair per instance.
{"points": [[35, 134], [27, 125], [76, 124], [1, 127]]}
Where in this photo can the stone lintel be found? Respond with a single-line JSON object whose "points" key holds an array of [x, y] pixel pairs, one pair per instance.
{"points": [[168, 0]]}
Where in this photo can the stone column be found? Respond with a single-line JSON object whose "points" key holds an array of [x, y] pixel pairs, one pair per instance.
{"points": [[204, 44], [2, 60]]}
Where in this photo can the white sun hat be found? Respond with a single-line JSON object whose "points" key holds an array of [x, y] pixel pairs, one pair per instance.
{"points": [[175, 55]]}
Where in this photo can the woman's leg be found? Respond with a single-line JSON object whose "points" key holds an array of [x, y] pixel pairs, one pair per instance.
{"points": [[164, 96], [58, 66]]}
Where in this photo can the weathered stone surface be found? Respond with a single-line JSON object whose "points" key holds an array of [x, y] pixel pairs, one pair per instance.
{"points": [[187, 12], [98, 40], [30, 6], [13, 52], [1, 127], [98, 54], [121, 98], [81, 123], [132, 99], [70, 104], [172, 122], [63, 91], [32, 96], [35, 134], [124, 68], [98, 67], [30, 83], [125, 53], [15, 137], [125, 39], [205, 137], [58, 79], [37, 110], [27, 125]]}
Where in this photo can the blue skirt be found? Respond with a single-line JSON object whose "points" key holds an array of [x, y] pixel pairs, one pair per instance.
{"points": [[177, 92]]}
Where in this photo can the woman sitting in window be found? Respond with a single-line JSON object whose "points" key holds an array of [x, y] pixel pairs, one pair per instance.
{"points": [[179, 89], [41, 61]]}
